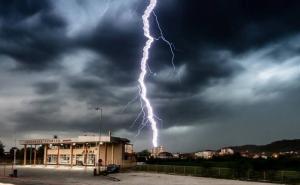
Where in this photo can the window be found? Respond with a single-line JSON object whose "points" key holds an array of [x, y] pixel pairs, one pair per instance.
{"points": [[90, 159], [52, 159], [128, 148], [64, 159]]}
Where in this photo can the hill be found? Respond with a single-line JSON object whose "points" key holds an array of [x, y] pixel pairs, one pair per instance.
{"points": [[277, 146]]}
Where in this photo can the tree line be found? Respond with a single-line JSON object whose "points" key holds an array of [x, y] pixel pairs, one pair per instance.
{"points": [[8, 157]]}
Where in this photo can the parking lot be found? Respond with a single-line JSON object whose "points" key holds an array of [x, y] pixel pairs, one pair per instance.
{"points": [[81, 176]]}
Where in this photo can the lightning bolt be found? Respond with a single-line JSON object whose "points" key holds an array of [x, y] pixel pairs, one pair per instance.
{"points": [[162, 36], [144, 64]]}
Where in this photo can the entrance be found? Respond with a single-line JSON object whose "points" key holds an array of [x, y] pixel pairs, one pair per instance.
{"points": [[79, 160]]}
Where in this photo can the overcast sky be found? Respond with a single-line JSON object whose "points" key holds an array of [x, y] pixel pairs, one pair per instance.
{"points": [[236, 80]]}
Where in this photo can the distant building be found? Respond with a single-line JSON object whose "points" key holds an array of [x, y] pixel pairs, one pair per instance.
{"points": [[164, 155], [264, 157], [176, 155], [246, 154], [226, 151], [275, 155], [157, 150], [187, 156], [256, 156], [83, 151], [206, 154]]}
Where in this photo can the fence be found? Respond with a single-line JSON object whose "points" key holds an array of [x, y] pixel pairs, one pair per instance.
{"points": [[128, 164], [5, 170], [225, 173]]}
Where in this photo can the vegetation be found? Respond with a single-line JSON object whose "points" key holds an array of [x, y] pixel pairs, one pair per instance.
{"points": [[143, 156], [1, 150], [285, 169], [9, 156], [287, 177], [235, 162]]}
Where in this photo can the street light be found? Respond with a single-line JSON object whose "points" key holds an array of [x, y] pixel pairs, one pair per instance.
{"points": [[99, 159], [15, 154], [99, 109]]}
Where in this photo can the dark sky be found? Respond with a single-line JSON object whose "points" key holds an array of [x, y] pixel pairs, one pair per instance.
{"points": [[236, 79]]}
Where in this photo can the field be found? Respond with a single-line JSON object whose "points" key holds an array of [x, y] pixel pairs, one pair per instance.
{"points": [[59, 176]]}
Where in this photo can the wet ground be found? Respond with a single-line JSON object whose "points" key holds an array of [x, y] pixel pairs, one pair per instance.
{"points": [[76, 176]]}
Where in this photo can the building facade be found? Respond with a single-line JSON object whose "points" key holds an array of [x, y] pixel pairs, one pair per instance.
{"points": [[83, 151]]}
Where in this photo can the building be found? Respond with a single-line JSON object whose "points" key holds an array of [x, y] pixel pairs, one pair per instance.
{"points": [[226, 151], [165, 155], [187, 156], [83, 151], [206, 154], [156, 150], [176, 155]]}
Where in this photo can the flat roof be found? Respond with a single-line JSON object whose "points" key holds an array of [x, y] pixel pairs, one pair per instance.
{"points": [[79, 139]]}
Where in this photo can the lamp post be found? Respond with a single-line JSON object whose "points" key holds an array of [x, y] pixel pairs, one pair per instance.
{"points": [[99, 159], [15, 154], [99, 109]]}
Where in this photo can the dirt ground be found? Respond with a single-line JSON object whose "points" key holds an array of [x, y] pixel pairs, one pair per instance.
{"points": [[53, 176]]}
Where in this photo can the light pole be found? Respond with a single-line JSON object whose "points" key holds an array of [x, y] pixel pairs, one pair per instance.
{"points": [[99, 159], [99, 109], [15, 154]]}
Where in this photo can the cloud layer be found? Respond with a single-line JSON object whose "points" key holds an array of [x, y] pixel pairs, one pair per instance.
{"points": [[237, 68]]}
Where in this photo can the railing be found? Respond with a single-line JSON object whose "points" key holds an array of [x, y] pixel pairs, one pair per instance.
{"points": [[225, 173]]}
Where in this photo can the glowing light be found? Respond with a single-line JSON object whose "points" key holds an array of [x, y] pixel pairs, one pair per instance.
{"points": [[144, 61]]}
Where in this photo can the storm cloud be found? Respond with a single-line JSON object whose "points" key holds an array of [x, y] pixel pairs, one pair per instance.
{"points": [[237, 70]]}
